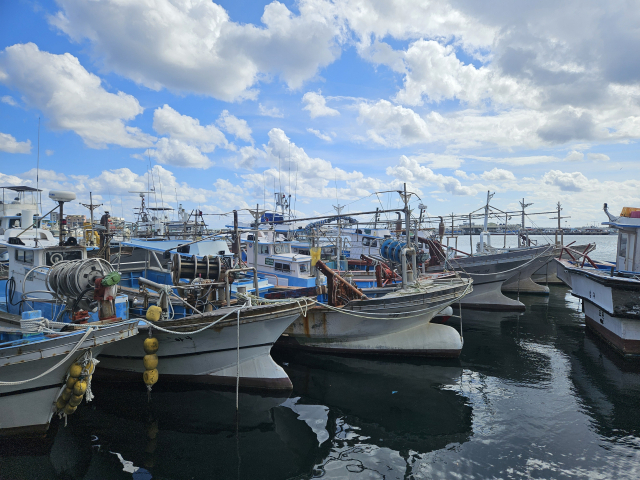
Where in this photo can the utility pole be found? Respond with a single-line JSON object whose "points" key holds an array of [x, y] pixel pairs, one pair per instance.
{"points": [[91, 206]]}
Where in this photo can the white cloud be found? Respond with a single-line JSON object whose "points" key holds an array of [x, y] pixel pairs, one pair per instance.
{"points": [[269, 112], [167, 121], [498, 175], [574, 156], [320, 135], [48, 152], [71, 97], [171, 151], [9, 144], [393, 125], [192, 45], [411, 171], [572, 182], [598, 157], [296, 171], [8, 99], [248, 157], [435, 72], [235, 126], [316, 104]]}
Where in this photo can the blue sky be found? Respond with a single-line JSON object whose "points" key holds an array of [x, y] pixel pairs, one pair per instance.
{"points": [[218, 101]]}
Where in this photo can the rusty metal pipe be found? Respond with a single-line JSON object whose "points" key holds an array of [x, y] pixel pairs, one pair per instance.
{"points": [[328, 272]]}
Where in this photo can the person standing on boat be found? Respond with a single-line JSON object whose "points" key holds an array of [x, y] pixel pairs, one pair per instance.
{"points": [[104, 221]]}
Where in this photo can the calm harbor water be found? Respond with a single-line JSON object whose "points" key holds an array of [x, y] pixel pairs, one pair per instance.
{"points": [[533, 395]]}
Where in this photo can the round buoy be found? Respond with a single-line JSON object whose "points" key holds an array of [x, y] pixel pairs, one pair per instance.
{"points": [[154, 313], [80, 387], [151, 345], [76, 370], [150, 377], [75, 400], [150, 361]]}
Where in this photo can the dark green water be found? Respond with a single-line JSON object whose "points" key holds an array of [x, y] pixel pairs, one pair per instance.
{"points": [[532, 396]]}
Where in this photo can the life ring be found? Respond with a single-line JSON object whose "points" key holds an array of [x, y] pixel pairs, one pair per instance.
{"points": [[56, 257], [277, 249]]}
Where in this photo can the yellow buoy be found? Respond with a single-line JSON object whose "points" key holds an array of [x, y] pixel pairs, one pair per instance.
{"points": [[69, 409], [66, 394], [150, 377], [150, 361], [151, 345], [89, 368], [61, 403], [75, 400], [80, 387], [153, 313], [75, 371], [71, 381]]}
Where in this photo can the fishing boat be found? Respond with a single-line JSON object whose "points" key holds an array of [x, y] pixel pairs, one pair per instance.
{"points": [[610, 293], [33, 368], [205, 336]]}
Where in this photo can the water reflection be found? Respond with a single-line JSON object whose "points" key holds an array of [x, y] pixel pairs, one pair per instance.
{"points": [[532, 396], [382, 411]]}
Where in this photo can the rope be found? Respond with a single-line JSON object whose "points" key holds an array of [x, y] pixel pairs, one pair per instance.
{"points": [[165, 330], [39, 325], [84, 337]]}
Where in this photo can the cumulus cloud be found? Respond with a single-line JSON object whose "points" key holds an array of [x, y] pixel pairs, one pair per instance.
{"points": [[292, 166], [498, 175], [574, 156], [9, 144], [167, 121], [235, 126], [71, 97], [316, 104], [571, 182], [410, 170], [269, 112], [193, 45], [393, 125], [434, 72], [171, 151], [598, 157]]}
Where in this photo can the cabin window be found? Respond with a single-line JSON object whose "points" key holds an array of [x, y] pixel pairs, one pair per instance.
{"points": [[282, 248], [24, 256], [622, 251], [374, 243], [283, 267], [250, 238], [365, 242], [304, 267], [263, 249]]}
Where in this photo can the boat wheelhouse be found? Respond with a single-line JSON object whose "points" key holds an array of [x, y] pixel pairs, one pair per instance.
{"points": [[611, 293]]}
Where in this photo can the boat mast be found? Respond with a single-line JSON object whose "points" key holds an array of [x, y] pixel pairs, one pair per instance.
{"points": [[523, 205], [486, 222]]}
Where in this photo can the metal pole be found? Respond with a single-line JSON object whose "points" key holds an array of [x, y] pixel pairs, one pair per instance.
{"points": [[470, 237], [61, 229], [506, 222], [255, 249], [91, 209]]}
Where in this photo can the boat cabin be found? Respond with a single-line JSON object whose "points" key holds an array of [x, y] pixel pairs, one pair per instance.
{"points": [[628, 226]]}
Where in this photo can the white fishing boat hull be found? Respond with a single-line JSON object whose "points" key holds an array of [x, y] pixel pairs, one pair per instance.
{"points": [[522, 281], [611, 306], [400, 327], [209, 356], [26, 409]]}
